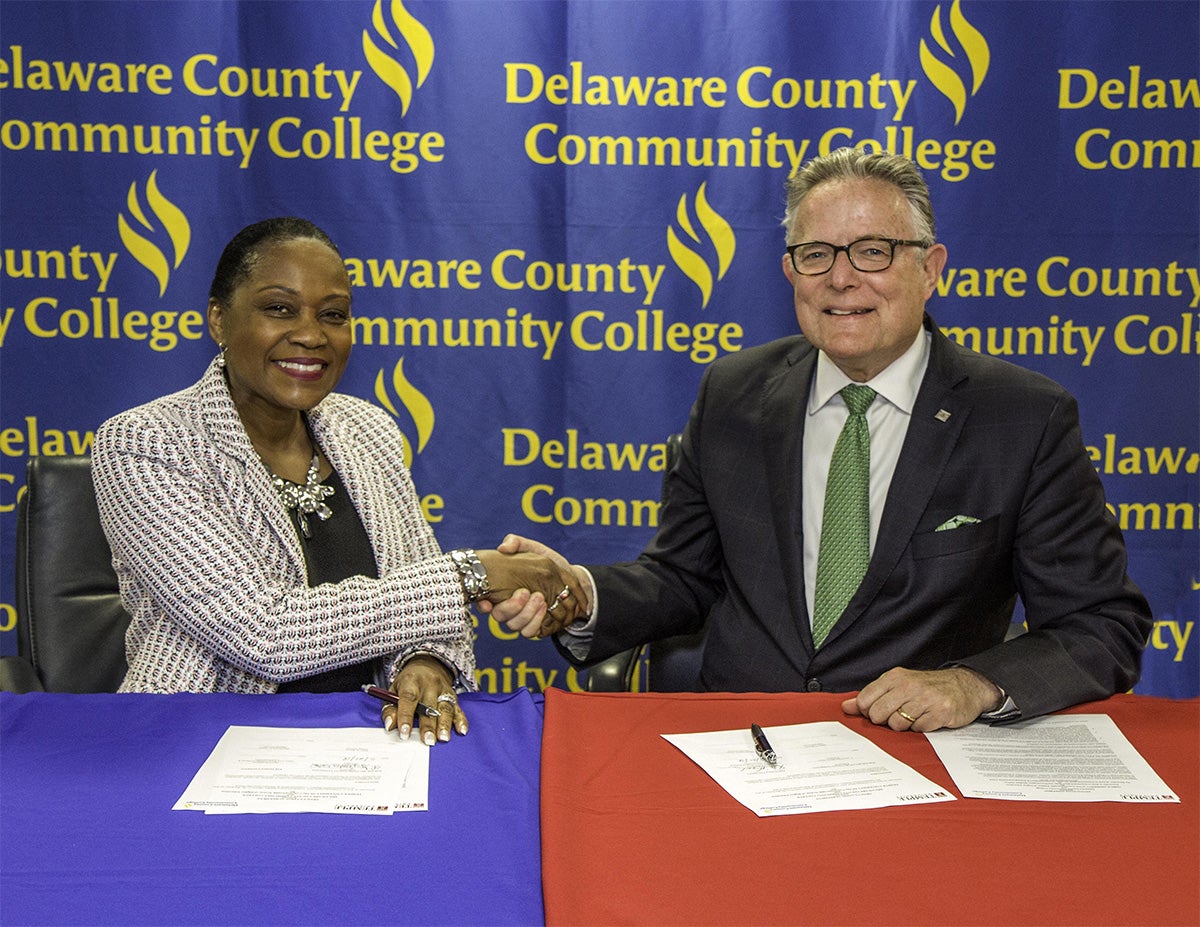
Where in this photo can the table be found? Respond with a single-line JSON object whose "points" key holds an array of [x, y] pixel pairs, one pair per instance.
{"points": [[633, 832], [87, 834]]}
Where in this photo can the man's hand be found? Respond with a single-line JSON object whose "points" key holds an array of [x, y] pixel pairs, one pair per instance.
{"points": [[917, 700], [528, 609]]}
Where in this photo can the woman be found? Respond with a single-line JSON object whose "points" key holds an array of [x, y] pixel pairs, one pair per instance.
{"points": [[265, 530]]}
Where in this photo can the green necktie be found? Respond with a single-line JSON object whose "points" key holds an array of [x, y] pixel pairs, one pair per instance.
{"points": [[846, 524]]}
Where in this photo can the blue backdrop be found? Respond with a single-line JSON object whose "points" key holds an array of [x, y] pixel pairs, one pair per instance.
{"points": [[555, 214]]}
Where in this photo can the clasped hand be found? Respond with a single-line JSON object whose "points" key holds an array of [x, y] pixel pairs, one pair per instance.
{"points": [[535, 591]]}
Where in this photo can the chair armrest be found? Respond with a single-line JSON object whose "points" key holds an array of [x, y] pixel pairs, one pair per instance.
{"points": [[18, 675], [614, 674]]}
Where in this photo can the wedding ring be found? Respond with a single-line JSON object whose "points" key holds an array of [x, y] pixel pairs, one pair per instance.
{"points": [[566, 591], [446, 697], [557, 602], [906, 716]]}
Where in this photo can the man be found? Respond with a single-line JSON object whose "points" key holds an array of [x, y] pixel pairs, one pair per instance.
{"points": [[979, 490]]}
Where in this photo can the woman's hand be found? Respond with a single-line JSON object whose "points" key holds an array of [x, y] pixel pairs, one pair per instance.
{"points": [[427, 681]]}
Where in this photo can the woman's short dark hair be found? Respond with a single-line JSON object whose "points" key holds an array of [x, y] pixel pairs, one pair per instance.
{"points": [[242, 252]]}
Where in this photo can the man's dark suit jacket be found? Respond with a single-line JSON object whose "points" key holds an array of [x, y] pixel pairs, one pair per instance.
{"points": [[988, 440]]}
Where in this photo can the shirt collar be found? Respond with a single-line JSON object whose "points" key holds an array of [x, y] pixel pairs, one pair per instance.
{"points": [[898, 383]]}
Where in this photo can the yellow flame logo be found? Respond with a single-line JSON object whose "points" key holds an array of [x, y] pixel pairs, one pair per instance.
{"points": [[420, 409], [174, 222], [686, 258], [942, 75], [419, 42]]}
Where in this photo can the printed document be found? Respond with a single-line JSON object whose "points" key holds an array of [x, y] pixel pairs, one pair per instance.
{"points": [[345, 770], [822, 766], [1056, 758]]}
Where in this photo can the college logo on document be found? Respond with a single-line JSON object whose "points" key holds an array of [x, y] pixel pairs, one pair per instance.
{"points": [[943, 74], [385, 63], [419, 408], [718, 244], [147, 246]]}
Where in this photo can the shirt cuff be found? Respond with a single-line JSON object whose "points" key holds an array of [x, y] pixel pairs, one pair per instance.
{"points": [[1008, 711], [577, 636]]}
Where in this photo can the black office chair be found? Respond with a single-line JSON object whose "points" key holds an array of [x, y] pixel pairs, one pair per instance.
{"points": [[671, 664], [70, 621]]}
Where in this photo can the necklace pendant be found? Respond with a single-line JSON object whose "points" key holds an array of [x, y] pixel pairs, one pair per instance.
{"points": [[307, 499]]}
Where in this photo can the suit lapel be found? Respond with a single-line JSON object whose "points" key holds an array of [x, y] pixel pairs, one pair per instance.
{"points": [[939, 415], [785, 399], [225, 429]]}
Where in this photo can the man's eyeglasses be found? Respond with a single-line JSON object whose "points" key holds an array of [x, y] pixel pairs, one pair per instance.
{"points": [[869, 255]]}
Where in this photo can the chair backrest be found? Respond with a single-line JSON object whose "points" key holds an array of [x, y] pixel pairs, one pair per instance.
{"points": [[673, 664], [70, 621]]}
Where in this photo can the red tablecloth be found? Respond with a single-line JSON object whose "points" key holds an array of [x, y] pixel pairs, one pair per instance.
{"points": [[633, 832]]}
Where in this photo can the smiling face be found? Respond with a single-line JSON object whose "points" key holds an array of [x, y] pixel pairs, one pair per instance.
{"points": [[286, 329], [863, 321]]}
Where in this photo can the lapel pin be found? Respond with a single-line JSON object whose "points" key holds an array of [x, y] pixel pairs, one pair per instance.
{"points": [[942, 415]]}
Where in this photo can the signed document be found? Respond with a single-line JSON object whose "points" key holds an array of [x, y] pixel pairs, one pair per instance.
{"points": [[1056, 758], [350, 770], [822, 766]]}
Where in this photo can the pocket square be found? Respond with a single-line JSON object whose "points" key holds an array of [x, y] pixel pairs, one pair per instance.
{"points": [[956, 522]]}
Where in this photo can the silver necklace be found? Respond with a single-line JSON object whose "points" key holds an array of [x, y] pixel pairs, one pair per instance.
{"points": [[308, 499]]}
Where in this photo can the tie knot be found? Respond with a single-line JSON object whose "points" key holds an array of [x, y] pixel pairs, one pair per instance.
{"points": [[858, 398]]}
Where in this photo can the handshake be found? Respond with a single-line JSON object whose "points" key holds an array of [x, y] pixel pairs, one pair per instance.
{"points": [[534, 590]]}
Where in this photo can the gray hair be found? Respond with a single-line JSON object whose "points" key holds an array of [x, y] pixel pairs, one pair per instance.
{"points": [[848, 163]]}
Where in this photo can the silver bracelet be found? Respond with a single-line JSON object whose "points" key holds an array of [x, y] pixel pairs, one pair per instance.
{"points": [[472, 573]]}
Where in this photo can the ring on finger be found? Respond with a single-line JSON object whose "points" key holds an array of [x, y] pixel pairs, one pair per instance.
{"points": [[557, 602], [566, 591], [906, 716], [447, 697]]}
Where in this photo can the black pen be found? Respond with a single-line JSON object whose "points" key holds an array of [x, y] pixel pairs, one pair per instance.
{"points": [[762, 746], [386, 696]]}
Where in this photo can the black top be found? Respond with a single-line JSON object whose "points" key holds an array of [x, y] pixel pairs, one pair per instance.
{"points": [[338, 549]]}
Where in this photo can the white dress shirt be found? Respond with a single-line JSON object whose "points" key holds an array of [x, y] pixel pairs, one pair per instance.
{"points": [[887, 421]]}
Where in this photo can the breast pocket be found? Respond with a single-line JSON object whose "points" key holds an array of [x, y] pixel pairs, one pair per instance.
{"points": [[964, 538]]}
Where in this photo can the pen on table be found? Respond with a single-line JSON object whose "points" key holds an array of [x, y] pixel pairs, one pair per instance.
{"points": [[386, 696], [762, 746]]}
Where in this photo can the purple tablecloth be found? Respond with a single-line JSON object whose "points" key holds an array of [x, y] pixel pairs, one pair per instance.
{"points": [[87, 834]]}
